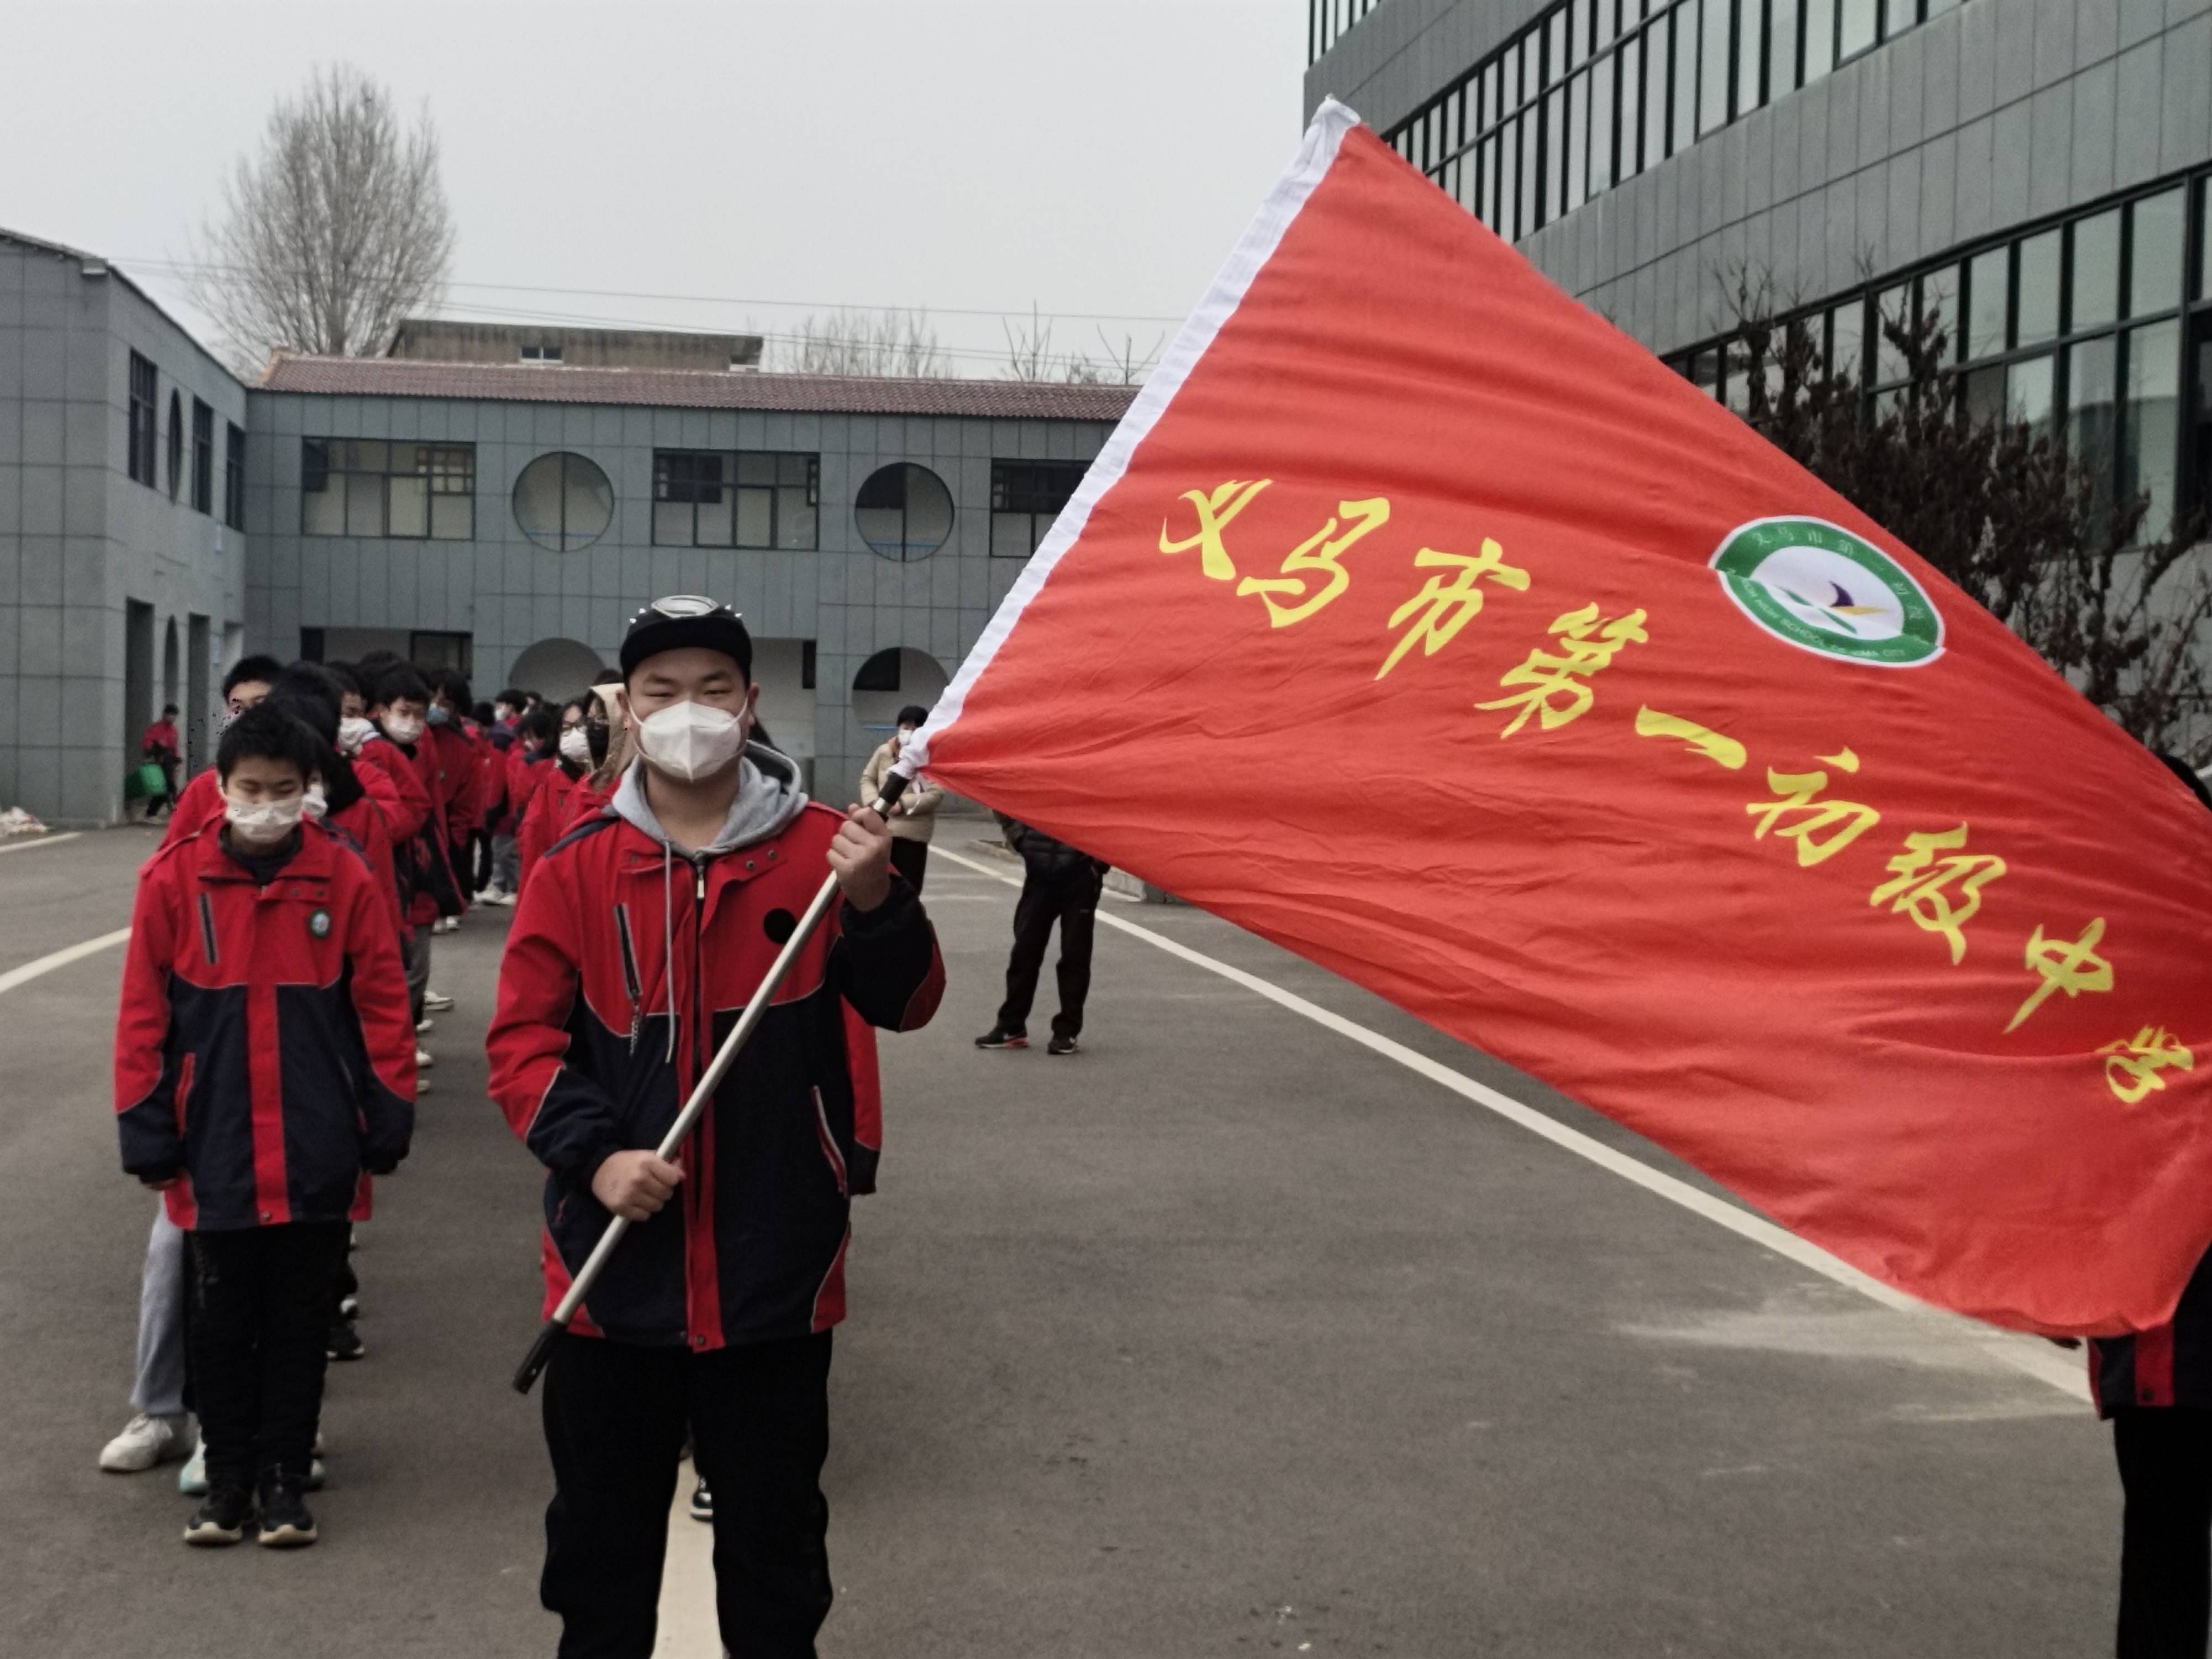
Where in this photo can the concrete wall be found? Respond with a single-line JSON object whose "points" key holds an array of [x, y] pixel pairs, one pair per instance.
{"points": [[436, 340], [510, 593], [1989, 116], [80, 539]]}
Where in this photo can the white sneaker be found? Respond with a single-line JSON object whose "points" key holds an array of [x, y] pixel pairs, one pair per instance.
{"points": [[425, 1026], [191, 1479], [436, 1002], [424, 1060], [144, 1442], [498, 896]]}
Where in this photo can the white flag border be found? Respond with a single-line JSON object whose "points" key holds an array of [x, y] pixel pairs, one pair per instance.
{"points": [[1316, 154]]}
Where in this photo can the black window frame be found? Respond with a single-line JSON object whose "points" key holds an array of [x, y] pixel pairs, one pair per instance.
{"points": [[202, 457], [1032, 490], [448, 470], [176, 445], [143, 458], [234, 475], [2189, 310], [681, 479]]}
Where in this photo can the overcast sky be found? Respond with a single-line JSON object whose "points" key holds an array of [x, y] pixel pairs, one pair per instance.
{"points": [[1088, 156]]}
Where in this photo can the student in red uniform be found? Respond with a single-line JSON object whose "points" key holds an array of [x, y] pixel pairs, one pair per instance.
{"points": [[160, 745], [638, 939], [261, 938], [574, 758], [458, 764]]}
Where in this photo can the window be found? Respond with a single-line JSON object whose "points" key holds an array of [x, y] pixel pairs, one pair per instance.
{"points": [[2157, 236], [234, 477], [541, 354], [715, 498], [1026, 496], [2096, 295], [402, 491], [2151, 422], [564, 501], [176, 445], [202, 457], [143, 415], [905, 511]]}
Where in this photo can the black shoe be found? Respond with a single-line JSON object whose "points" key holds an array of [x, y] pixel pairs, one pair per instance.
{"points": [[1060, 1044], [285, 1522], [702, 1502], [999, 1037], [223, 1514], [344, 1342]]}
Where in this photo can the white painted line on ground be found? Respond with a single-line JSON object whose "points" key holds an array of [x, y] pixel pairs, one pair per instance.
{"points": [[689, 1628], [42, 841], [31, 970], [2023, 1354]]}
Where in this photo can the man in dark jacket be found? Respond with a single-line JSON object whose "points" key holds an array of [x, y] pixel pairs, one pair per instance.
{"points": [[639, 940], [1059, 884]]}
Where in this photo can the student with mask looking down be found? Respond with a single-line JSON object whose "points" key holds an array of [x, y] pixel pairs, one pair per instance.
{"points": [[639, 939]]}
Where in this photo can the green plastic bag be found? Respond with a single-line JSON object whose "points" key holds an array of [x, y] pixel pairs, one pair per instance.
{"points": [[145, 782]]}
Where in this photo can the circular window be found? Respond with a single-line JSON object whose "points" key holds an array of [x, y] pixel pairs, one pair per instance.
{"points": [[564, 501], [905, 511]]}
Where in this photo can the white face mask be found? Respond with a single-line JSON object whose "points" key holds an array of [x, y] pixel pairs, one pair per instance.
{"points": [[690, 740], [576, 745], [353, 732], [402, 729], [265, 822], [316, 803]]}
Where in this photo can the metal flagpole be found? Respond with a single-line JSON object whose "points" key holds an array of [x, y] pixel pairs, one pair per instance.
{"points": [[541, 1351]]}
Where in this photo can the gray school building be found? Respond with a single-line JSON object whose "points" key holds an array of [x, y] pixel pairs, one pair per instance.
{"points": [[494, 498], [2031, 171]]}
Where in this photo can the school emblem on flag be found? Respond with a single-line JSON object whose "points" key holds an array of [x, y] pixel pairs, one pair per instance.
{"points": [[1820, 587]]}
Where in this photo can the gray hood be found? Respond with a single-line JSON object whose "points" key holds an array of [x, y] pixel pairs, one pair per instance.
{"points": [[768, 801]]}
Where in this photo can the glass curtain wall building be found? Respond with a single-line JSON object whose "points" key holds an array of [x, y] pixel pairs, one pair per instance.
{"points": [[2033, 175]]}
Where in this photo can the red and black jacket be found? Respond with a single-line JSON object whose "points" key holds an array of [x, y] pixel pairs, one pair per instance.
{"points": [[264, 1050], [588, 1059], [2171, 1365]]}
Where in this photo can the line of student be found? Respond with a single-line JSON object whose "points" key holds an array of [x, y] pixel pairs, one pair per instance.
{"points": [[276, 994]]}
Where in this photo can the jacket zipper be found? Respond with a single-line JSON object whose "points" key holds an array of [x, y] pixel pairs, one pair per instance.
{"points": [[630, 976]]}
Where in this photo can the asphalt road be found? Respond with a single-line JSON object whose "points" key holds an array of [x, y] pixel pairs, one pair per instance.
{"points": [[1227, 1335]]}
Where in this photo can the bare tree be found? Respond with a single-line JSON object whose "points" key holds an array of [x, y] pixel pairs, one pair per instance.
{"points": [[2021, 516], [336, 232], [1031, 356], [897, 344]]}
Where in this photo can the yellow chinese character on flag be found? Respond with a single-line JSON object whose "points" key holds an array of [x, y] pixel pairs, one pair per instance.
{"points": [[1942, 895], [1827, 826], [2132, 1066], [2069, 965], [1556, 691], [1451, 602], [1317, 555], [1216, 508], [1715, 746]]}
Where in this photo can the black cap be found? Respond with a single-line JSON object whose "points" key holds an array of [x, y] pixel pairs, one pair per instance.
{"points": [[686, 619]]}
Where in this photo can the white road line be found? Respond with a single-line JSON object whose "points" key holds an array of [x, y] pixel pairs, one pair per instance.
{"points": [[43, 841], [689, 1628], [31, 970], [2023, 1354]]}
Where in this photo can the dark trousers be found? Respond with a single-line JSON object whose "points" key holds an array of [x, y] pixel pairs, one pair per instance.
{"points": [[614, 1419], [2165, 1539], [260, 1316], [911, 860], [1070, 898], [478, 868]]}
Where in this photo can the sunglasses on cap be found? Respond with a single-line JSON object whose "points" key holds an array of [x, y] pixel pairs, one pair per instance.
{"points": [[678, 607]]}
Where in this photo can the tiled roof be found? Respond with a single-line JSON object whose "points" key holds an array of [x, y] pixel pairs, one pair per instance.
{"points": [[823, 394]]}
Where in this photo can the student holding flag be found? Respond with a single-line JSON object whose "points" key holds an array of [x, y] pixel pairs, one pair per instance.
{"points": [[639, 940]]}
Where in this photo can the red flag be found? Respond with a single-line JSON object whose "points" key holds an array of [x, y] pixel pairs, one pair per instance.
{"points": [[1417, 619]]}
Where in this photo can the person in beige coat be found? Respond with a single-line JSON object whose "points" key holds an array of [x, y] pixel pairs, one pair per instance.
{"points": [[913, 820]]}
